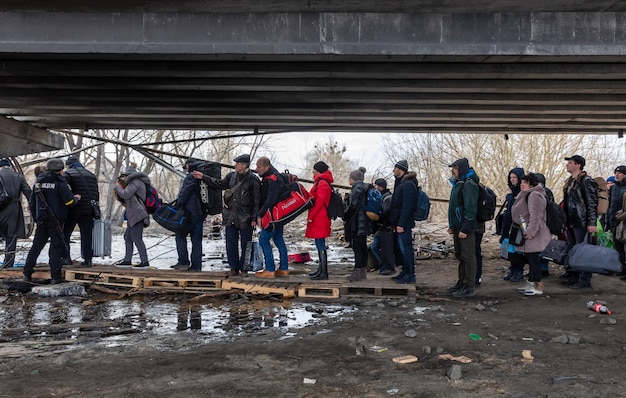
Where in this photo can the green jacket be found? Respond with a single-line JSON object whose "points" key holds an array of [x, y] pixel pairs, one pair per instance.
{"points": [[463, 203]]}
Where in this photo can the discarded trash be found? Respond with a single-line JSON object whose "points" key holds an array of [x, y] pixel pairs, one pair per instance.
{"points": [[527, 339], [493, 336], [377, 348], [393, 391], [405, 359], [455, 373], [462, 358], [309, 381], [360, 350], [527, 356], [474, 336], [563, 378], [456, 324], [599, 308], [62, 289]]}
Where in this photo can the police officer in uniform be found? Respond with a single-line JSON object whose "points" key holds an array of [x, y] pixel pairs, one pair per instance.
{"points": [[50, 213]]}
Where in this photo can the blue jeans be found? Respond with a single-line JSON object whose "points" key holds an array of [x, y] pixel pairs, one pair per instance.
{"points": [[233, 237], [320, 244], [405, 243], [376, 248], [264, 241], [195, 230]]}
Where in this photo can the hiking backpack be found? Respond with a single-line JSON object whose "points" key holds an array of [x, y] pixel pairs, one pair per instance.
{"points": [[373, 203], [288, 178], [555, 217], [603, 196], [210, 199], [486, 203], [423, 206], [152, 201]]}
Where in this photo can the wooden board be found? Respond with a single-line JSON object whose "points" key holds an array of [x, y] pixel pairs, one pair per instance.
{"points": [[102, 278], [182, 282], [287, 290], [318, 291]]}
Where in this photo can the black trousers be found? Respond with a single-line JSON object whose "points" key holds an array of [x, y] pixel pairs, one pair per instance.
{"points": [[57, 249], [359, 246], [85, 224]]}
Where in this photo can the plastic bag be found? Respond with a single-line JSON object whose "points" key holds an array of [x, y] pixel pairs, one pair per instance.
{"points": [[604, 238], [253, 258]]}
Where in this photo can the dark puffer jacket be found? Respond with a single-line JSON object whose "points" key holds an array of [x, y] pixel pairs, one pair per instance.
{"points": [[57, 196], [242, 197], [514, 190], [463, 204], [581, 201], [360, 223], [189, 195], [617, 194], [84, 183], [404, 202]]}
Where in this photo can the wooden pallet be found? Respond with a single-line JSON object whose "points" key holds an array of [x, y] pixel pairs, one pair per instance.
{"points": [[378, 291], [285, 289], [182, 283], [102, 278], [319, 290]]}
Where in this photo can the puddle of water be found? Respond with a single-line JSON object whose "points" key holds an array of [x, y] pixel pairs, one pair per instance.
{"points": [[208, 322]]}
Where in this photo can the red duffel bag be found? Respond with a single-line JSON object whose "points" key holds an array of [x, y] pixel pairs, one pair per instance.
{"points": [[294, 202]]}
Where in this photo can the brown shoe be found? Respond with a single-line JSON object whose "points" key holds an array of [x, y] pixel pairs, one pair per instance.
{"points": [[265, 274], [233, 272], [282, 273], [244, 274]]}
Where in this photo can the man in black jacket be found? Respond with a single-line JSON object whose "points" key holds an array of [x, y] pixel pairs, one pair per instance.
{"points": [[241, 205], [84, 183], [48, 204], [580, 195], [12, 226], [403, 205], [615, 205]]}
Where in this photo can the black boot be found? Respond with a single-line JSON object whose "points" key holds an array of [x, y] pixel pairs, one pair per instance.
{"points": [[319, 267], [323, 269]]}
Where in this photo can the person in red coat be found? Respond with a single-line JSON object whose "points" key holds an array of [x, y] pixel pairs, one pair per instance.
{"points": [[318, 222]]}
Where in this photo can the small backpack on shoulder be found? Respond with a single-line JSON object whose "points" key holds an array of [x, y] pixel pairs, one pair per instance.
{"points": [[374, 203], [335, 206], [486, 203], [423, 206], [152, 201]]}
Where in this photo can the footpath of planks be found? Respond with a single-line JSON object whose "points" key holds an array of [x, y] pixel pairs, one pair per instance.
{"points": [[295, 286]]}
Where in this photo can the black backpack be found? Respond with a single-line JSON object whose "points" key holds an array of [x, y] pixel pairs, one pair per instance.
{"points": [[555, 217], [210, 199], [486, 203], [335, 206]]}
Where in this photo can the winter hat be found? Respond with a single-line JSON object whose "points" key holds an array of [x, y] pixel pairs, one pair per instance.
{"points": [[611, 179], [132, 168], [402, 165], [71, 159], [4, 162], [357, 175], [621, 169], [54, 165], [381, 182], [242, 159], [320, 166]]}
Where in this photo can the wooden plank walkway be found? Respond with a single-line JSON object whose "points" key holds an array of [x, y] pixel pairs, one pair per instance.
{"points": [[297, 285]]}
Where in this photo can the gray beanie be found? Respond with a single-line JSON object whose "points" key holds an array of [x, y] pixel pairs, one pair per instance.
{"points": [[357, 175], [402, 165]]}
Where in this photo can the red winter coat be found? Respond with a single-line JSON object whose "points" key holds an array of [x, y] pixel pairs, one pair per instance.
{"points": [[318, 223]]}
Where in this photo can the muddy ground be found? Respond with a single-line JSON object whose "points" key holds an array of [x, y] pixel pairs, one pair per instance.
{"points": [[577, 353]]}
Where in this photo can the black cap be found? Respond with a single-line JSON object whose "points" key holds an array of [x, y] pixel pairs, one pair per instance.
{"points": [[381, 182], [242, 159], [621, 169], [578, 160], [71, 159], [4, 162]]}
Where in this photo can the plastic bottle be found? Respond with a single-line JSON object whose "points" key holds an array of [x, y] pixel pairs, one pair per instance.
{"points": [[522, 223], [599, 308]]}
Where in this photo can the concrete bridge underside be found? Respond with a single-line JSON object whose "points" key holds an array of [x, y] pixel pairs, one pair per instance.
{"points": [[488, 71]]}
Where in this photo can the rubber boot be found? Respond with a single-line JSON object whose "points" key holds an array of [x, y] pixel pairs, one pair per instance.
{"points": [[320, 254], [323, 270]]}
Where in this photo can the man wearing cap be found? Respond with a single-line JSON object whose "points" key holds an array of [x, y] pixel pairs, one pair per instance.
{"points": [[580, 196], [84, 183], [462, 224], [241, 203], [271, 185], [12, 226], [382, 246], [48, 204], [403, 205], [615, 205], [189, 200]]}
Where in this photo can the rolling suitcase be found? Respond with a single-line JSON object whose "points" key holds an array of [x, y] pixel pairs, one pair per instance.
{"points": [[101, 239]]}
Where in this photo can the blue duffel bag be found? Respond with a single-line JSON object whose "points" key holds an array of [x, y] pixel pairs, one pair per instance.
{"points": [[171, 218], [585, 257]]}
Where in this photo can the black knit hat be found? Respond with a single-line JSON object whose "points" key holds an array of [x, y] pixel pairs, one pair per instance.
{"points": [[320, 166], [402, 165]]}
